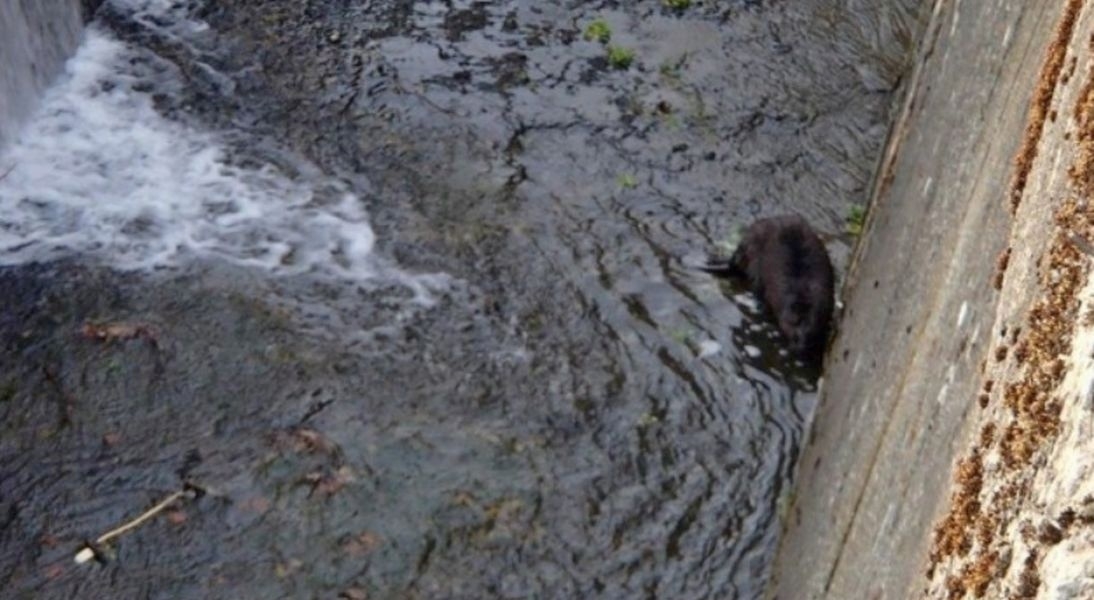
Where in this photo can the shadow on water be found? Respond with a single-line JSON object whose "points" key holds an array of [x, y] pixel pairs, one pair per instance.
{"points": [[516, 388]]}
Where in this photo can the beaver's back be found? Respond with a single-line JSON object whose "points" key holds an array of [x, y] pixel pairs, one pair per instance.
{"points": [[788, 267]]}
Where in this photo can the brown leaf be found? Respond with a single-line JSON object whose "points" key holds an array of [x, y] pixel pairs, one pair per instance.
{"points": [[257, 504], [310, 440], [354, 593], [303, 441], [361, 544], [175, 517], [330, 484], [119, 331]]}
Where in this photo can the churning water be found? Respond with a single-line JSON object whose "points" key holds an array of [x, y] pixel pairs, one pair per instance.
{"points": [[99, 173]]}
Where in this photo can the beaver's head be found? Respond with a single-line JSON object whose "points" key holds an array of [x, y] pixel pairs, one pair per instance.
{"points": [[805, 322]]}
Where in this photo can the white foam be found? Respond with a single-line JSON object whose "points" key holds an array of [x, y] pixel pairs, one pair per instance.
{"points": [[164, 14], [100, 173], [708, 348]]}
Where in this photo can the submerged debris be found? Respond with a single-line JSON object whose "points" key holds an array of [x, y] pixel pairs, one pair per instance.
{"points": [[303, 440], [119, 331]]}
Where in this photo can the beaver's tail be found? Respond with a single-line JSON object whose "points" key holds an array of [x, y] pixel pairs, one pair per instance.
{"points": [[721, 266]]}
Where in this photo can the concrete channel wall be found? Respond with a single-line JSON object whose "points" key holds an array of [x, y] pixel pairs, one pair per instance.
{"points": [[900, 399], [36, 37]]}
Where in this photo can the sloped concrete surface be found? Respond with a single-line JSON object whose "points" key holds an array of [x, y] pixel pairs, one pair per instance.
{"points": [[900, 399]]}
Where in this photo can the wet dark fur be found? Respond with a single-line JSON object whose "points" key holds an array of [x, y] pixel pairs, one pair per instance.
{"points": [[788, 267]]}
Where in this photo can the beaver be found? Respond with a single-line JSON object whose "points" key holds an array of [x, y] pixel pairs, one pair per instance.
{"points": [[788, 268]]}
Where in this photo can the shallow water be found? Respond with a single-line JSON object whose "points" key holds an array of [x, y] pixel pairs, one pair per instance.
{"points": [[415, 275]]}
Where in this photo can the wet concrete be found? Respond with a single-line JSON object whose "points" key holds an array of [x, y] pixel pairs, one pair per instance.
{"points": [[555, 426], [38, 37], [922, 315]]}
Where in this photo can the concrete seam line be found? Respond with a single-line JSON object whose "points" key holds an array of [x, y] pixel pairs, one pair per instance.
{"points": [[934, 30], [898, 130]]}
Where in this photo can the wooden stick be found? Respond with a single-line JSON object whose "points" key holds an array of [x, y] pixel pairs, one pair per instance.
{"points": [[88, 552]]}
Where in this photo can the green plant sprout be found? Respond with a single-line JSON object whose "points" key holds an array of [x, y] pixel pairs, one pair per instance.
{"points": [[619, 57], [856, 218], [598, 31]]}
